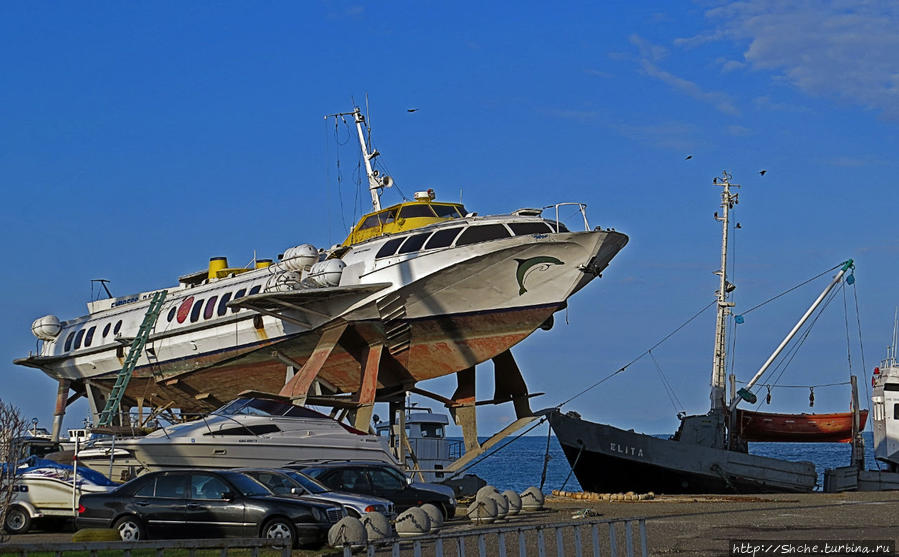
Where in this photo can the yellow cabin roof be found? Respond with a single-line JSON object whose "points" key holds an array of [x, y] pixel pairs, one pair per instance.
{"points": [[402, 217]]}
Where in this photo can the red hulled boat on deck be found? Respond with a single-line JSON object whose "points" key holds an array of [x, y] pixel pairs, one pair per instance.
{"points": [[799, 428]]}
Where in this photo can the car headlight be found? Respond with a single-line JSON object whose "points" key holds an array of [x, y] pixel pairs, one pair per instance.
{"points": [[452, 500]]}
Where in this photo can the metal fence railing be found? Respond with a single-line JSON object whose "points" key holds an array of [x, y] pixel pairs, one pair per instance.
{"points": [[579, 539], [158, 548]]}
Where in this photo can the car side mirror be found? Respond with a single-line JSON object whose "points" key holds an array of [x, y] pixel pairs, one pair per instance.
{"points": [[408, 481], [294, 491]]}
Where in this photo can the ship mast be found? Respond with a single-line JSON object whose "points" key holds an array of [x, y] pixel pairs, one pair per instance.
{"points": [[719, 364], [376, 182]]}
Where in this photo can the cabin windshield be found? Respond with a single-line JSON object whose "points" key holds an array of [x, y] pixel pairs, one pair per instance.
{"points": [[265, 407], [432, 431]]}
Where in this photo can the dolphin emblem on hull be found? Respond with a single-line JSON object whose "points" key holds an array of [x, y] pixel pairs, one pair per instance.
{"points": [[525, 266]]}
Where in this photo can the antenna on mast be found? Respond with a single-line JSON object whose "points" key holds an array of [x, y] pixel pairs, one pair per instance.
{"points": [[376, 182], [719, 365]]}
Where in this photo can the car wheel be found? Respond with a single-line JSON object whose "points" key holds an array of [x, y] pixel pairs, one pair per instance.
{"points": [[18, 521], [279, 528], [129, 529]]}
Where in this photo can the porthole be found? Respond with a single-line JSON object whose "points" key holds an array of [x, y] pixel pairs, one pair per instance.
{"points": [[223, 303], [257, 322], [69, 339], [89, 337], [118, 327], [172, 313], [106, 329], [78, 336], [195, 312], [239, 294], [184, 309], [210, 308], [255, 289]]}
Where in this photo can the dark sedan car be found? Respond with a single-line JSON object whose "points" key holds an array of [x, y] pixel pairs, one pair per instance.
{"points": [[382, 480], [205, 503]]}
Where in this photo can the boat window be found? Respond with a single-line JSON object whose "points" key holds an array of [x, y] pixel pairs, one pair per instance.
{"points": [[371, 222], [89, 338], [388, 216], [69, 339], [389, 247], [223, 304], [195, 312], [171, 485], [483, 233], [524, 228], [210, 308], [442, 238], [146, 489], [896, 411], [445, 211], [78, 336], [109, 326], [255, 289], [118, 327], [171, 315], [414, 211], [207, 486], [562, 227], [891, 387], [239, 294], [432, 431], [260, 429], [414, 243], [184, 309]]}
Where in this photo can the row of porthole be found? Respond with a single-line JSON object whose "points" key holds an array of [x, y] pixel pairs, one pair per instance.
{"points": [[87, 335], [194, 307], [75, 338]]}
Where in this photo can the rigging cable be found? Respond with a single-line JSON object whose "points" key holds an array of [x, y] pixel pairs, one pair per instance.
{"points": [[861, 345], [848, 340], [785, 362], [644, 353], [801, 284], [669, 390]]}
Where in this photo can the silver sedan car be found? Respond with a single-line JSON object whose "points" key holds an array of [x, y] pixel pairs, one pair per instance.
{"points": [[285, 482]]}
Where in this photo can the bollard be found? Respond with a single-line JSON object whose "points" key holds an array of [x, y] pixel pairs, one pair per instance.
{"points": [[532, 499], [412, 522], [435, 515], [348, 531], [514, 501], [377, 527]]}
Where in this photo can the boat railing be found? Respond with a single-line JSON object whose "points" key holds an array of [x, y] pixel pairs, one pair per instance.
{"points": [[582, 207]]}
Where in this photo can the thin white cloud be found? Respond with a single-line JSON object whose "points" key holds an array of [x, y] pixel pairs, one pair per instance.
{"points": [[829, 48], [578, 115], [669, 135], [738, 131], [650, 54], [598, 73], [854, 162], [767, 103]]}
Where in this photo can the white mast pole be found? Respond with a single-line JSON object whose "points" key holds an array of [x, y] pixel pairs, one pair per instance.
{"points": [[373, 183], [719, 364], [836, 279]]}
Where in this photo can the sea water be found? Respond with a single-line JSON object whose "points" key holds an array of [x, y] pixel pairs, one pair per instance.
{"points": [[519, 464]]}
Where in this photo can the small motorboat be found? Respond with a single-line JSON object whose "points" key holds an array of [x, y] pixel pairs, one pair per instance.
{"points": [[798, 428], [45, 489]]}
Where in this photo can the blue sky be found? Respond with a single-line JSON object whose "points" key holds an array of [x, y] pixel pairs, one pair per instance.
{"points": [[140, 139]]}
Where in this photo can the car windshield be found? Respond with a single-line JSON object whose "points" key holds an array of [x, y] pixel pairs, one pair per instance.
{"points": [[247, 485], [312, 486]]}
